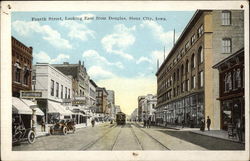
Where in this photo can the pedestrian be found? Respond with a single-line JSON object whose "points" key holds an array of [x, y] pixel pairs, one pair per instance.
{"points": [[202, 125], [43, 125], [183, 122], [93, 122], [239, 129], [149, 122], [208, 123]]}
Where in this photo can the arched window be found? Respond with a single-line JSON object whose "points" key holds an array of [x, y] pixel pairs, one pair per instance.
{"points": [[178, 74], [200, 55], [187, 66], [174, 77], [192, 61], [182, 69]]}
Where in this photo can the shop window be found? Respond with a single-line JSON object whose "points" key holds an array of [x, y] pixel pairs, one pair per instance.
{"points": [[226, 18], [226, 45]]}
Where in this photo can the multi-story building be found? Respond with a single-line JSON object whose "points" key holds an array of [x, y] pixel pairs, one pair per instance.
{"points": [[231, 89], [187, 85], [148, 104], [140, 102], [92, 93], [134, 115], [56, 89], [80, 85], [101, 100], [111, 96], [21, 67]]}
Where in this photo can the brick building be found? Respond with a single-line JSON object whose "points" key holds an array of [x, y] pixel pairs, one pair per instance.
{"points": [[102, 100], [21, 67], [187, 85]]}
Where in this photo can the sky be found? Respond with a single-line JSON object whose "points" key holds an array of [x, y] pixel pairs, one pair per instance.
{"points": [[119, 49]]}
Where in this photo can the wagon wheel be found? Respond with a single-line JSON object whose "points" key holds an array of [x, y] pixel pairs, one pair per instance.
{"points": [[64, 130], [31, 137]]}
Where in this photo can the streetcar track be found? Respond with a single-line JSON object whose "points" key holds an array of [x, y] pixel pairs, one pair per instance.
{"points": [[137, 139], [112, 148], [153, 138], [89, 145]]}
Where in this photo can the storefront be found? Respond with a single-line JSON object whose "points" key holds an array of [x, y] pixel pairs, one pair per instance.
{"points": [[231, 80]]}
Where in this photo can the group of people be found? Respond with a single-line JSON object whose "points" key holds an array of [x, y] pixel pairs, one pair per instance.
{"points": [[147, 122], [202, 124]]}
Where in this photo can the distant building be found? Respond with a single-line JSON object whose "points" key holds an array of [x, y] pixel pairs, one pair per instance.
{"points": [[140, 104], [21, 67], [134, 115], [56, 91], [117, 109], [111, 103], [80, 86], [231, 88], [147, 104], [101, 100], [92, 93], [187, 85], [111, 96]]}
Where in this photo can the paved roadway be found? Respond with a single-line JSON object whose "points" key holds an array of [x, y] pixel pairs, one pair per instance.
{"points": [[127, 137]]}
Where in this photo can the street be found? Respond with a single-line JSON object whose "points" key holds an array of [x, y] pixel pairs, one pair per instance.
{"points": [[131, 136]]}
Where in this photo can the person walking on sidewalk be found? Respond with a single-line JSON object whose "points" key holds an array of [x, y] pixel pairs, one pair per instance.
{"points": [[239, 129], [43, 125], [208, 123], [93, 122]]}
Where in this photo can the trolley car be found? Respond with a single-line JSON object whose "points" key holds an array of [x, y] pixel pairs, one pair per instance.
{"points": [[120, 118]]}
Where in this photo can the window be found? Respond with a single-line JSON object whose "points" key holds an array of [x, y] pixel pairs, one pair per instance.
{"points": [[200, 55], [18, 73], [193, 82], [200, 31], [66, 90], [26, 77], [226, 18], [69, 94], [174, 77], [178, 74], [200, 78], [193, 39], [182, 69], [187, 46], [61, 91], [57, 89], [182, 86], [52, 88], [187, 66], [226, 45], [187, 85], [193, 62], [182, 52]]}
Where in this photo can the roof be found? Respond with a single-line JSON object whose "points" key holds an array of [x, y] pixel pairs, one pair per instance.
{"points": [[94, 84], [189, 26], [228, 58]]}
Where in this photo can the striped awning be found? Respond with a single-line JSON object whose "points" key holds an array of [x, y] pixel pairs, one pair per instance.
{"points": [[19, 107]]}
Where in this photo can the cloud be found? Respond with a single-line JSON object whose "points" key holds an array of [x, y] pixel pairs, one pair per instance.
{"points": [[43, 57], [94, 55], [127, 90], [97, 72], [143, 59], [159, 33], [119, 41], [77, 30], [24, 28]]}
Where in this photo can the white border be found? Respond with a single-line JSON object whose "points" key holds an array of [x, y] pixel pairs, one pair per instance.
{"points": [[7, 154]]}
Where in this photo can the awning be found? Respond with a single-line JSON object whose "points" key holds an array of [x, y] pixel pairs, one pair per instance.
{"points": [[34, 106], [54, 107], [19, 107]]}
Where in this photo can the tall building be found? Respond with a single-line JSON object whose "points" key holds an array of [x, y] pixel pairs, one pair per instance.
{"points": [[140, 109], [80, 86], [101, 100], [21, 67], [92, 93], [187, 85]]}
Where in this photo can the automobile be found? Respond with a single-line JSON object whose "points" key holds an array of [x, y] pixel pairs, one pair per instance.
{"points": [[20, 133], [63, 126]]}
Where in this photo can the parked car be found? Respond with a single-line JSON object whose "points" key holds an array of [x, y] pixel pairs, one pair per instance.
{"points": [[63, 126], [20, 132]]}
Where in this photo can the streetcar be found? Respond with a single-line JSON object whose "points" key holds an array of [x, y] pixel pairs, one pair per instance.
{"points": [[121, 118]]}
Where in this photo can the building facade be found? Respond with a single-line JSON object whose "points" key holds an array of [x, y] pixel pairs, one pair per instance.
{"points": [[56, 91], [231, 89], [140, 103], [80, 85], [102, 101], [187, 85], [92, 93], [134, 115], [21, 67]]}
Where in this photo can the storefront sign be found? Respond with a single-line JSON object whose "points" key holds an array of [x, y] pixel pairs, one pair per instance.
{"points": [[30, 94]]}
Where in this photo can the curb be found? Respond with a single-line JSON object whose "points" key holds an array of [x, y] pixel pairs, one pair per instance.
{"points": [[235, 141]]}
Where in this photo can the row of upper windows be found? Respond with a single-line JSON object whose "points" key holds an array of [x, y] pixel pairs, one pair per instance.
{"points": [[185, 86], [17, 43], [53, 92], [21, 58]]}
